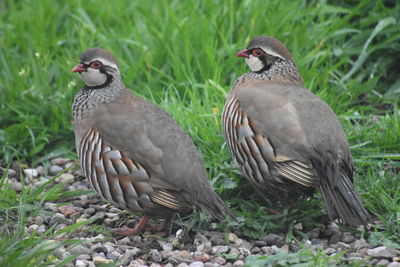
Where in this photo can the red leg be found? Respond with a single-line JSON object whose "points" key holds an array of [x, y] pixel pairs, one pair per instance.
{"points": [[140, 226], [156, 227]]}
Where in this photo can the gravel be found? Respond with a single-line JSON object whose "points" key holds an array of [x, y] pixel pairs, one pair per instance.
{"points": [[208, 248]]}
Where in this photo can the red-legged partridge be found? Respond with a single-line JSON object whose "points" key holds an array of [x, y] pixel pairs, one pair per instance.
{"points": [[132, 152], [287, 141]]}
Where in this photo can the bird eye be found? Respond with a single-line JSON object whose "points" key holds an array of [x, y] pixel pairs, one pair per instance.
{"points": [[257, 52], [95, 64]]}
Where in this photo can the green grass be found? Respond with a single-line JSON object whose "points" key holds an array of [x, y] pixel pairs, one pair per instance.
{"points": [[180, 55]]}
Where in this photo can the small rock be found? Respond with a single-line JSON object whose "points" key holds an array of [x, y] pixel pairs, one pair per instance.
{"points": [[182, 264], [33, 227], [31, 173], [232, 237], [11, 173], [335, 238], [284, 248], [255, 250], [165, 246], [219, 249], [55, 169], [17, 186], [155, 255], [298, 226], [382, 252], [60, 161], [84, 257], [244, 251], [201, 256], [75, 216], [97, 260], [90, 211], [98, 248], [79, 249], [347, 238], [393, 264], [342, 246], [185, 255], [42, 229], [50, 206], [361, 243], [314, 233], [65, 177], [128, 255], [238, 263], [382, 262], [67, 210], [260, 243], [243, 244], [196, 264], [109, 246], [219, 260], [168, 265], [40, 170], [329, 250], [273, 239], [39, 220], [80, 263], [59, 218]]}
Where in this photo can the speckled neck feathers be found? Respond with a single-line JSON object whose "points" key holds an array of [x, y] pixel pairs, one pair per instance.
{"points": [[88, 98], [282, 71]]}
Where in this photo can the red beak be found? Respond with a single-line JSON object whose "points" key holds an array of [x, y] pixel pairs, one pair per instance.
{"points": [[79, 68], [243, 53]]}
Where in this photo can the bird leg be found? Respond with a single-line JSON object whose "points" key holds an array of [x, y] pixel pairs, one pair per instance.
{"points": [[142, 225], [139, 227]]}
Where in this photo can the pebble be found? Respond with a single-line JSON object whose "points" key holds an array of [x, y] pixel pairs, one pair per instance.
{"points": [[31, 173], [11, 173], [219, 249], [65, 178], [55, 169], [393, 264], [79, 249], [66, 210], [347, 238], [42, 229], [59, 218], [196, 264], [50, 206], [97, 260], [84, 257], [17, 186], [382, 252], [60, 161], [155, 255], [128, 256], [238, 263], [182, 264], [273, 239], [232, 237]]}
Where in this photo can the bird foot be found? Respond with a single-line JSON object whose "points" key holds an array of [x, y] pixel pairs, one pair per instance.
{"points": [[142, 225], [139, 227]]}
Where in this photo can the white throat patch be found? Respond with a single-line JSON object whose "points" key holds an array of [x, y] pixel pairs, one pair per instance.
{"points": [[254, 63], [93, 77]]}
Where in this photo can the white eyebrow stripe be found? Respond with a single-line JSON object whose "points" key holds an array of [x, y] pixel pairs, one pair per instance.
{"points": [[272, 53], [104, 61]]}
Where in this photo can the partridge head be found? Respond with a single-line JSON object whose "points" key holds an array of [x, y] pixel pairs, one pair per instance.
{"points": [[132, 152], [287, 141]]}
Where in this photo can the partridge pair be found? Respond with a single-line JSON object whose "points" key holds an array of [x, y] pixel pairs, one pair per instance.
{"points": [[287, 141], [132, 152]]}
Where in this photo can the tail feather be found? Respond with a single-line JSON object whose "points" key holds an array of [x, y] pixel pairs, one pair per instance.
{"points": [[342, 200], [214, 206]]}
